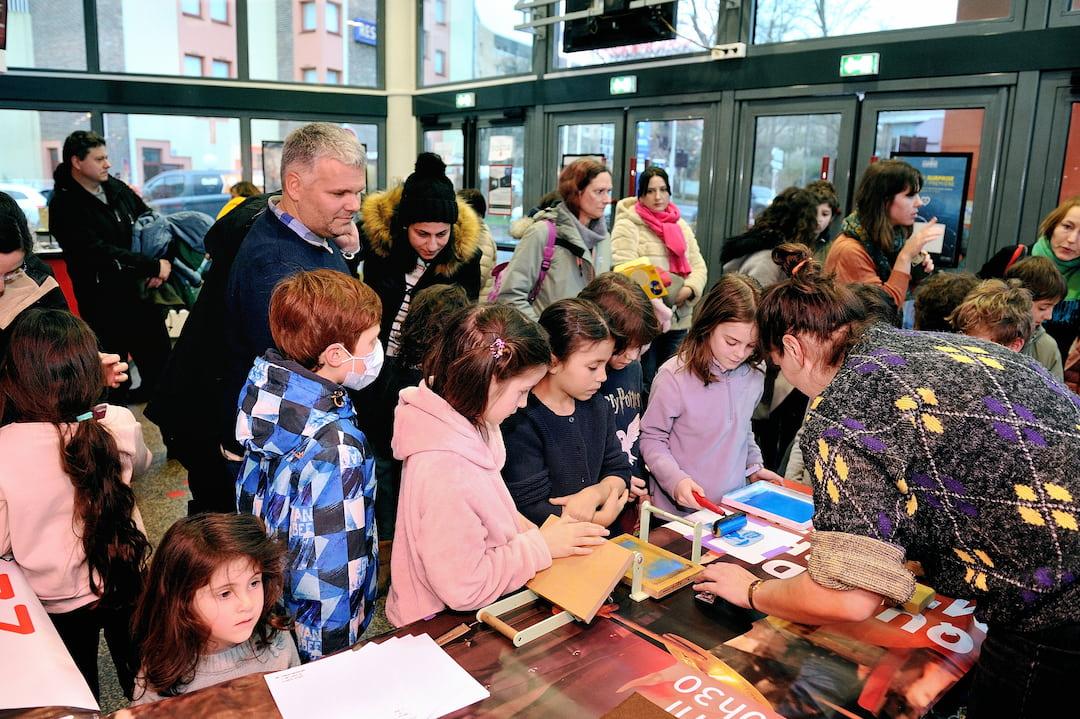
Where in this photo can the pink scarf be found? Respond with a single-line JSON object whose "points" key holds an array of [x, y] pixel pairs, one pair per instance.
{"points": [[665, 225]]}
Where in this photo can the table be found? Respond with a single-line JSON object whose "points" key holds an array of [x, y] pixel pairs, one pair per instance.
{"points": [[893, 665]]}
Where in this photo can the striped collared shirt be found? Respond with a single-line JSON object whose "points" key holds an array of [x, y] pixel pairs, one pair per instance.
{"points": [[297, 226]]}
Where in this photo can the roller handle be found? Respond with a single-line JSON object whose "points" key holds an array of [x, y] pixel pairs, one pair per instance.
{"points": [[498, 625]]}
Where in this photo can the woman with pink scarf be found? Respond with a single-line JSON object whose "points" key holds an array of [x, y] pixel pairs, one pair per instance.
{"points": [[651, 226]]}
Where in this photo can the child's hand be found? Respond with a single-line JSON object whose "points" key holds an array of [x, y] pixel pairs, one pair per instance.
{"points": [[637, 488], [568, 537], [613, 505], [768, 475], [115, 370], [581, 505], [684, 493]]}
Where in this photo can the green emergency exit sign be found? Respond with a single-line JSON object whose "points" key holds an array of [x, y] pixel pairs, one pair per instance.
{"points": [[862, 64], [623, 85]]}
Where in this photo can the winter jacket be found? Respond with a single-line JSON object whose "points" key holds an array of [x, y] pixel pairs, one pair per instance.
{"points": [[1044, 349], [568, 274], [555, 456], [488, 260], [37, 518], [309, 474], [758, 265], [460, 543], [38, 289], [96, 239], [701, 431], [631, 239], [388, 256]]}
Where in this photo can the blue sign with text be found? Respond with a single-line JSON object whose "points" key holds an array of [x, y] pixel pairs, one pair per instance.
{"points": [[365, 31]]}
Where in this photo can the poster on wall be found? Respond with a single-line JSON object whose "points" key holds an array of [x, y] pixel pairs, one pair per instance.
{"points": [[500, 148], [271, 157], [945, 182], [500, 189]]}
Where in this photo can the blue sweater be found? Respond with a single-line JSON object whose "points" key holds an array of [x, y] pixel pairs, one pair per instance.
{"points": [[548, 455], [270, 252]]}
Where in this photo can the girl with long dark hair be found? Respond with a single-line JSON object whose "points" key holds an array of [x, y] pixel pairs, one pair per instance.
{"points": [[74, 530]]}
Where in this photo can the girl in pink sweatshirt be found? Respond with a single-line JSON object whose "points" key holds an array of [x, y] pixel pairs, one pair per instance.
{"points": [[460, 542], [67, 512]]}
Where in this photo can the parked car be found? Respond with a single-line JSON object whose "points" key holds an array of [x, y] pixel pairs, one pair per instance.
{"points": [[29, 200], [201, 190]]}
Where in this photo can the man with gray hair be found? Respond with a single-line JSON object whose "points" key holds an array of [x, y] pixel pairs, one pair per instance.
{"points": [[309, 226]]}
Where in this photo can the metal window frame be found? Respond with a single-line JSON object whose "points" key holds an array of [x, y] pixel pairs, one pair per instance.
{"points": [[1052, 115]]}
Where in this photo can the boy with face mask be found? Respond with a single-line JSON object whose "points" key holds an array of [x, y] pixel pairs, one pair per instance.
{"points": [[308, 471]]}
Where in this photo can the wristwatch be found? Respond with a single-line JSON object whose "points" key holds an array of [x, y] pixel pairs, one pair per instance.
{"points": [[750, 592]]}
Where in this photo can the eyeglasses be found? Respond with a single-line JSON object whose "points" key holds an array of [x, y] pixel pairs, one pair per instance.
{"points": [[15, 273]]}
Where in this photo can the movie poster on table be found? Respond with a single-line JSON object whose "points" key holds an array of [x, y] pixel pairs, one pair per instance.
{"points": [[38, 671], [946, 176]]}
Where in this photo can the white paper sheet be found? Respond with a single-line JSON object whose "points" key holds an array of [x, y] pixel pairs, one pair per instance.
{"points": [[382, 682], [754, 551]]}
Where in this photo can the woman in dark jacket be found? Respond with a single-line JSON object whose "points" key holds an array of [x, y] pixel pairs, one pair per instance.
{"points": [[414, 236], [25, 281]]}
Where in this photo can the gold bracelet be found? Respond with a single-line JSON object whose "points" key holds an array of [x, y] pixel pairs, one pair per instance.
{"points": [[750, 592]]}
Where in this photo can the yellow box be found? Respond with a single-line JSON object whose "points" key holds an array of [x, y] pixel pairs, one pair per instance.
{"points": [[645, 274]]}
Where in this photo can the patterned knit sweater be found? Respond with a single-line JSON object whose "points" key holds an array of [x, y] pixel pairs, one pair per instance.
{"points": [[962, 453]]}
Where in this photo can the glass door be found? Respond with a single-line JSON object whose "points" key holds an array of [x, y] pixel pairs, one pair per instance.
{"points": [[938, 130], [786, 143], [500, 160], [677, 141], [450, 145], [586, 134]]}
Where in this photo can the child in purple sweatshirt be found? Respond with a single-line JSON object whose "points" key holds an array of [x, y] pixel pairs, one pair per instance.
{"points": [[695, 435]]}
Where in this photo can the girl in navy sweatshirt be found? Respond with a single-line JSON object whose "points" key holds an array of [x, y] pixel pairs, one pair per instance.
{"points": [[562, 453]]}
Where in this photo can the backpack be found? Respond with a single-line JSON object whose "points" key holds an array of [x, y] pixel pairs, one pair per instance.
{"points": [[499, 270]]}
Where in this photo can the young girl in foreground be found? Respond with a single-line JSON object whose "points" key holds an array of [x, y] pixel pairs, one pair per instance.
{"points": [[205, 616], [695, 435], [565, 457], [460, 543], [67, 512]]}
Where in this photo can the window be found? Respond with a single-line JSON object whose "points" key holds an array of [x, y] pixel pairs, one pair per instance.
{"points": [[333, 18], [185, 161], [787, 20], [220, 68], [193, 65], [333, 77], [56, 39], [475, 41], [276, 130], [308, 19], [219, 11], [789, 150], [695, 24], [309, 75], [191, 7], [281, 43], [134, 37], [31, 153]]}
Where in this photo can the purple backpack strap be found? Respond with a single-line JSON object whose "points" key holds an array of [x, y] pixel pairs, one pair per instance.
{"points": [[545, 263]]}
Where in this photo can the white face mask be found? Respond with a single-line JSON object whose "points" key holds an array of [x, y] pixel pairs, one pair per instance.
{"points": [[373, 362]]}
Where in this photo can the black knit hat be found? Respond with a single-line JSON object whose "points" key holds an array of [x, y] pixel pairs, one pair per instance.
{"points": [[428, 196]]}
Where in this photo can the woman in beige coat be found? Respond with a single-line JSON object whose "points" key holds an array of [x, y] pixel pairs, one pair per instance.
{"points": [[650, 226]]}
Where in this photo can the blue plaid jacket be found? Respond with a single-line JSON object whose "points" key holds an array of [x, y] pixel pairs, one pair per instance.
{"points": [[308, 472]]}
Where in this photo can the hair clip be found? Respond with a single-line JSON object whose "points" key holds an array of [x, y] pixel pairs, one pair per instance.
{"points": [[799, 266], [98, 413], [498, 348]]}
